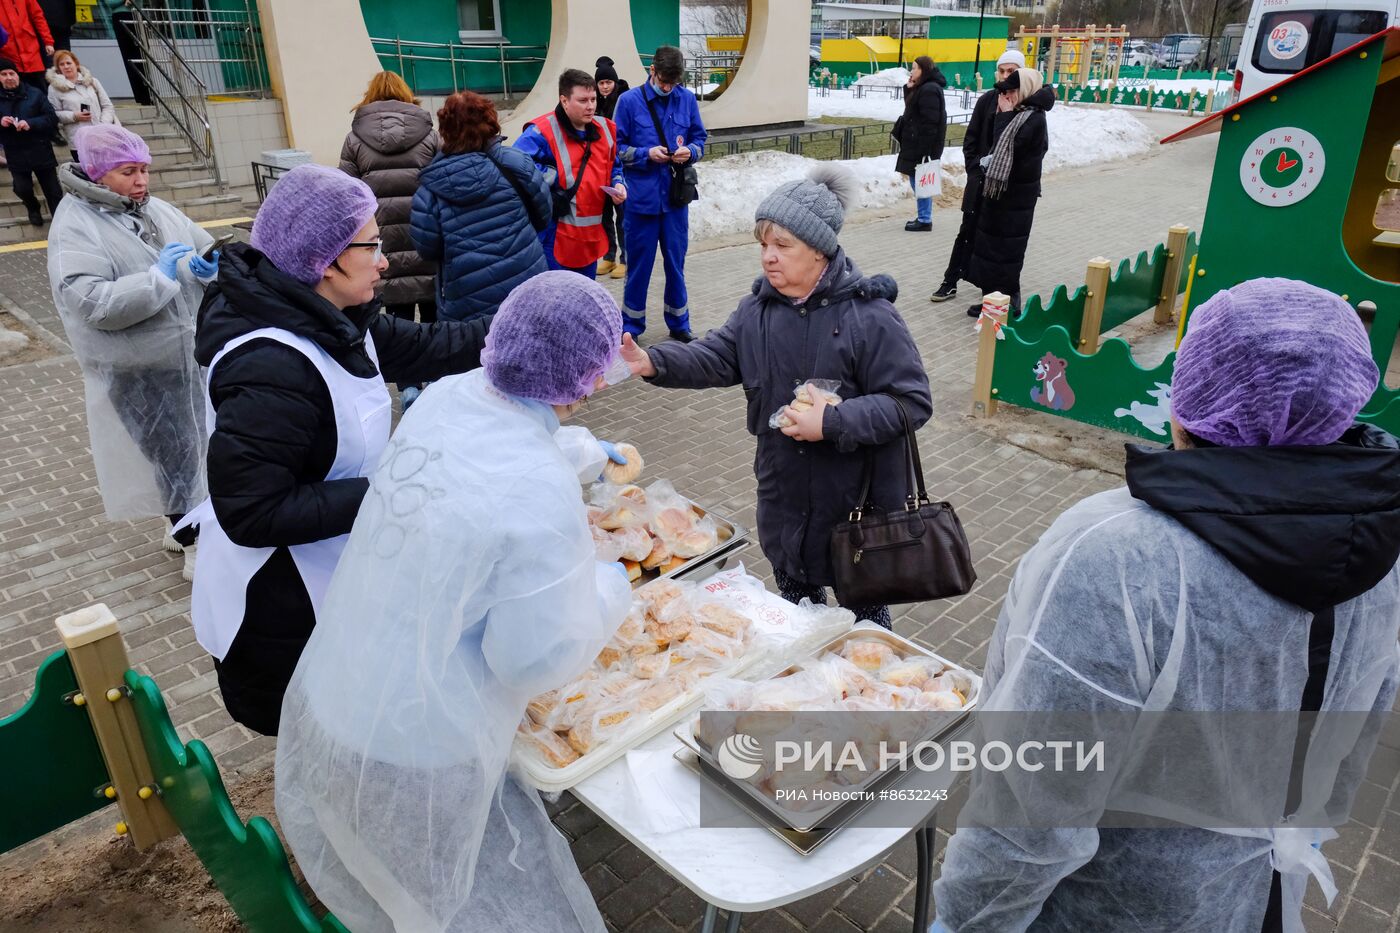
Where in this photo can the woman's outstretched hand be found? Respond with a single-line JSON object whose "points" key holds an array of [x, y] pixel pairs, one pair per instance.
{"points": [[636, 358]]}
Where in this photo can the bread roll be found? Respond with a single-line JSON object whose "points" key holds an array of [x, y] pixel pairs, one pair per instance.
{"points": [[619, 517], [634, 570], [868, 655], [623, 473], [659, 555], [636, 543], [725, 621], [550, 747]]}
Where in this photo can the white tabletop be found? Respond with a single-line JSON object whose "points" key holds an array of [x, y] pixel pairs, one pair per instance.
{"points": [[744, 869]]}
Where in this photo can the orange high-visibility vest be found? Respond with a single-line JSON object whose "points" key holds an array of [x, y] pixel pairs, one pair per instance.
{"points": [[579, 238]]}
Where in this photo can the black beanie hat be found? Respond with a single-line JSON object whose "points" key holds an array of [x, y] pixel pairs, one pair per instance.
{"points": [[603, 60], [7, 65], [605, 73]]}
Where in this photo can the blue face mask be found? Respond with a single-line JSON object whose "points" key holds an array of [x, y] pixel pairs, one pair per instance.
{"points": [[659, 92]]}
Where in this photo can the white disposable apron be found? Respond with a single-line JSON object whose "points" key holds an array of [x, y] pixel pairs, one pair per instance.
{"points": [[223, 569]]}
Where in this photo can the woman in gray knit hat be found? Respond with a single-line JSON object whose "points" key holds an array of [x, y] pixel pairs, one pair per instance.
{"points": [[812, 315]]}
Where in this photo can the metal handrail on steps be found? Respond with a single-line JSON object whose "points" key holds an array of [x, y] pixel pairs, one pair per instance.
{"points": [[177, 90]]}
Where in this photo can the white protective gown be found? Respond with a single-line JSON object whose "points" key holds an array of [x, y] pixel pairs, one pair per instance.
{"points": [[1119, 611], [468, 586], [132, 331]]}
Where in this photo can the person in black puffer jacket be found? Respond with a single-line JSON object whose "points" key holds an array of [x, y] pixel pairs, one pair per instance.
{"points": [[921, 130], [477, 211], [390, 141], [297, 354], [1007, 209], [610, 88]]}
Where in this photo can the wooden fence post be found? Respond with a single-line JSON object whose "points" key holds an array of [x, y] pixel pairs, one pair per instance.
{"points": [[98, 655], [1096, 283], [1176, 255], [1151, 93], [993, 319]]}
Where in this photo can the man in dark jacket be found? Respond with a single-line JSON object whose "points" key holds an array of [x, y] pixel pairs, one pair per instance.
{"points": [[1250, 570], [921, 131], [27, 123], [976, 143], [812, 315], [279, 480], [610, 89]]}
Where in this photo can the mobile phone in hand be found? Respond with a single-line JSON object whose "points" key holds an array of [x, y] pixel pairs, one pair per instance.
{"points": [[217, 244], [85, 108]]}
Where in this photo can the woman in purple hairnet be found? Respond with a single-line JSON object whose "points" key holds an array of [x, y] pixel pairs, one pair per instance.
{"points": [[468, 586], [296, 354], [1250, 570]]}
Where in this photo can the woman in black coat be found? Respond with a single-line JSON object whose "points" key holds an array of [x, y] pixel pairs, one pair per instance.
{"points": [[921, 130], [1011, 186]]}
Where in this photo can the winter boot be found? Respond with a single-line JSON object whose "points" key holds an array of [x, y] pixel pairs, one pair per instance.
{"points": [[605, 266], [918, 226], [619, 271]]}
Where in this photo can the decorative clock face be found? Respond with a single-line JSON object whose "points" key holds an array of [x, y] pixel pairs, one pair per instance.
{"points": [[1282, 166]]}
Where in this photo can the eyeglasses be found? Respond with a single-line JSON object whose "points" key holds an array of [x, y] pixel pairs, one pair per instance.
{"points": [[376, 245]]}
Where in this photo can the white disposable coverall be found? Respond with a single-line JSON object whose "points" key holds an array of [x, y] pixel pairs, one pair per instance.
{"points": [[132, 330], [468, 586], [1118, 609]]}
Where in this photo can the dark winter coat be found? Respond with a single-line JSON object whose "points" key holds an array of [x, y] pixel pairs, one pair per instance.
{"points": [[389, 143], [848, 330], [924, 125], [1004, 224], [275, 440], [476, 214], [28, 149], [607, 106], [977, 143]]}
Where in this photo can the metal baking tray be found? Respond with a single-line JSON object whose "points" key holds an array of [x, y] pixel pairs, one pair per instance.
{"points": [[732, 537], [842, 811]]}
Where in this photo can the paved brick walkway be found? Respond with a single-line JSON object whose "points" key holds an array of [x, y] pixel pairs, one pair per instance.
{"points": [[58, 553]]}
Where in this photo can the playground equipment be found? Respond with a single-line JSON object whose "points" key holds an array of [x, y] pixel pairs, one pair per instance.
{"points": [[1053, 358], [1075, 56], [95, 733], [1304, 187]]}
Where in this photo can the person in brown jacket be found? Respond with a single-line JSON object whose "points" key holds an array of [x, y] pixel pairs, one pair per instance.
{"points": [[390, 140]]}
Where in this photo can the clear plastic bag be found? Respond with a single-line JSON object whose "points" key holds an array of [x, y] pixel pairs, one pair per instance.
{"points": [[804, 396]]}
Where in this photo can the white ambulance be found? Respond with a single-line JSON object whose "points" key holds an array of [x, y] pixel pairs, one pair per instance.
{"points": [[1283, 37]]}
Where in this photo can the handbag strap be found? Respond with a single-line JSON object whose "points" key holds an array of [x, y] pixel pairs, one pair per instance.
{"points": [[508, 175], [656, 122], [917, 494]]}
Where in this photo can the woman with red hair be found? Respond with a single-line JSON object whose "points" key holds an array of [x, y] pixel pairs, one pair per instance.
{"points": [[477, 211]]}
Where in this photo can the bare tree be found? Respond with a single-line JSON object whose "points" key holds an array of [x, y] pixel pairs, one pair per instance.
{"points": [[722, 17]]}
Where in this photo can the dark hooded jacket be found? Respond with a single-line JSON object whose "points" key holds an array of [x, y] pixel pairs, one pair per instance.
{"points": [[1004, 224], [977, 142], [28, 149], [275, 441], [476, 215], [924, 125], [389, 143], [848, 331]]}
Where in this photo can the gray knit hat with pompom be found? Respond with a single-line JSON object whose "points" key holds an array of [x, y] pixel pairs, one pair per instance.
{"points": [[813, 208]]}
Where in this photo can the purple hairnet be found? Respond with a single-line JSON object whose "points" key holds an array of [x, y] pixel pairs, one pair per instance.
{"points": [[1272, 362], [104, 146], [554, 335], [311, 214]]}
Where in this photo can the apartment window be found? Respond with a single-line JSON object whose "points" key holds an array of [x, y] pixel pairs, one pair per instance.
{"points": [[479, 19]]}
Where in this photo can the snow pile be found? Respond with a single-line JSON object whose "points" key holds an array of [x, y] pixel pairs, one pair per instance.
{"points": [[877, 106], [890, 77], [730, 188]]}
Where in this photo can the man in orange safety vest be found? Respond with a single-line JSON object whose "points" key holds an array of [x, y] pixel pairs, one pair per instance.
{"points": [[577, 151]]}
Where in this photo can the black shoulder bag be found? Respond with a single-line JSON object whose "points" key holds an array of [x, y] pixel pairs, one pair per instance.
{"points": [[564, 197], [685, 181], [920, 552]]}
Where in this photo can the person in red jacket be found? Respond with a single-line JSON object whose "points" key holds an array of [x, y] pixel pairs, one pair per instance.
{"points": [[577, 151], [30, 39]]}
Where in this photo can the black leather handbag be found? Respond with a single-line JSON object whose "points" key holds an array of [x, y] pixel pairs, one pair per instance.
{"points": [[916, 553], [685, 180]]}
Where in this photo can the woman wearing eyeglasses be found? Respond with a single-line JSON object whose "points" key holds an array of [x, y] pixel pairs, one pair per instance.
{"points": [[297, 356]]}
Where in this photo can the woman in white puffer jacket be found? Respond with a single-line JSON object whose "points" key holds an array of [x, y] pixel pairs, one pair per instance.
{"points": [[71, 86]]}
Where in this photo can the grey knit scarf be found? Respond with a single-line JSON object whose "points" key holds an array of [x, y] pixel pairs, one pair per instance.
{"points": [[999, 169]]}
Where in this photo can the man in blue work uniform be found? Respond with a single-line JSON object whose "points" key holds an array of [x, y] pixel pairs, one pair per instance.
{"points": [[647, 162]]}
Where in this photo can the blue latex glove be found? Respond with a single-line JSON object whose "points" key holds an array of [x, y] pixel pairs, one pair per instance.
{"points": [[618, 566], [170, 257], [205, 268], [613, 453]]}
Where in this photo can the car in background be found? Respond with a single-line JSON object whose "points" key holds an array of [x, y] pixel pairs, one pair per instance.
{"points": [[1137, 54], [1179, 50], [1283, 37]]}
